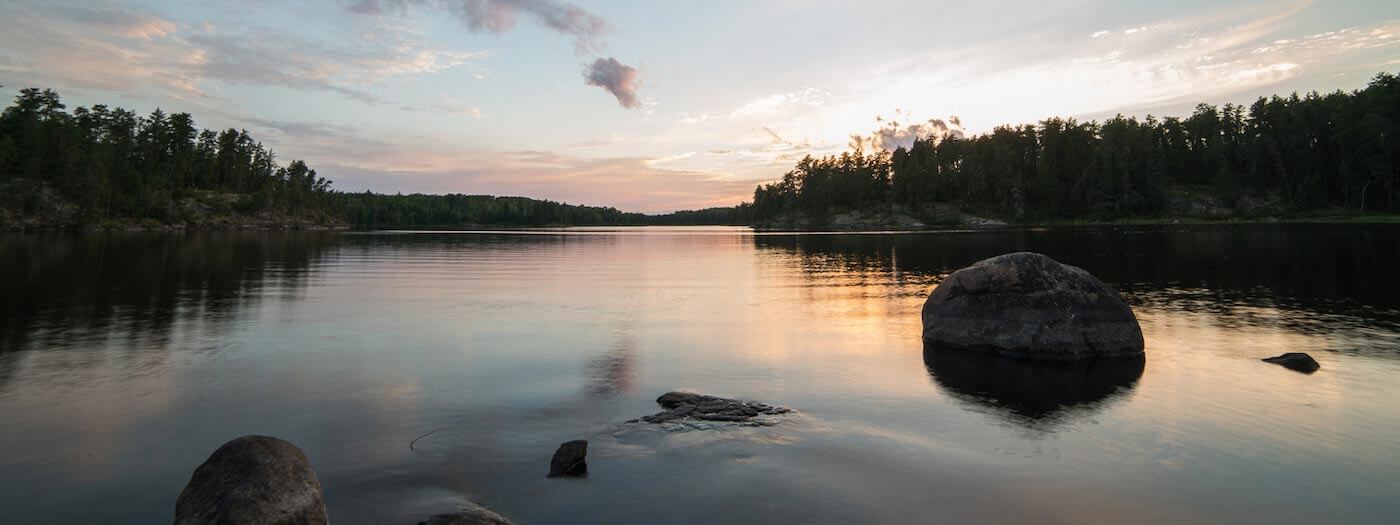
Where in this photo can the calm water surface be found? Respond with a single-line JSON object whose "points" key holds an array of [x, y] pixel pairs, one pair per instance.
{"points": [[125, 359]]}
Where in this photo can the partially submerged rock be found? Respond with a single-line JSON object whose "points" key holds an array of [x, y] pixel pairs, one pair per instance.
{"points": [[570, 459], [471, 515], [1028, 305], [687, 406], [1297, 361], [253, 479]]}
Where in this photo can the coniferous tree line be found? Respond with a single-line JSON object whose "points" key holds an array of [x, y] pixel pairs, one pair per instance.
{"points": [[1337, 151], [379, 210], [111, 162]]}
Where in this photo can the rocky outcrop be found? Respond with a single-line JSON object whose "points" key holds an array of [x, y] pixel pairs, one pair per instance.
{"points": [[471, 515], [570, 459], [682, 406], [1028, 305], [253, 479], [1296, 361]]}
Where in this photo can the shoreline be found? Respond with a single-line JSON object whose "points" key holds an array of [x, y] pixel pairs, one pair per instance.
{"points": [[864, 227], [1378, 219]]}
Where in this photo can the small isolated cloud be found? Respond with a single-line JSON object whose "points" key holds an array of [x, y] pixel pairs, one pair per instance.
{"points": [[1098, 34], [619, 79]]}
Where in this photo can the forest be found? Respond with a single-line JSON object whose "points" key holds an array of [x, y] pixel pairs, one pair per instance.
{"points": [[104, 163], [1282, 154], [109, 166]]}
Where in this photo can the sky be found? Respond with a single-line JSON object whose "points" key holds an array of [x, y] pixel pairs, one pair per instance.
{"points": [[664, 105]]}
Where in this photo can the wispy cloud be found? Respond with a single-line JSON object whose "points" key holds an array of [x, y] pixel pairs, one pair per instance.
{"points": [[113, 48], [806, 97], [498, 16], [1144, 66]]}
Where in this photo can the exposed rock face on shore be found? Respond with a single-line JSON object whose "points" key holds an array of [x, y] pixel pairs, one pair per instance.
{"points": [[1296, 361], [253, 480], [1028, 305], [685, 406]]}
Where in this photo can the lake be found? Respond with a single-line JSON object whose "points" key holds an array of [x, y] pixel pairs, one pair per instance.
{"points": [[127, 358]]}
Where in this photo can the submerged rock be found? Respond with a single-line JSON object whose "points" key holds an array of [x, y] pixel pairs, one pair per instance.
{"points": [[1028, 305], [253, 479], [1297, 361], [569, 459], [686, 407], [471, 515]]}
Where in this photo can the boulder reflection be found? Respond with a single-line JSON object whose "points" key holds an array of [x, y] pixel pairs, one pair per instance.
{"points": [[1037, 394]]}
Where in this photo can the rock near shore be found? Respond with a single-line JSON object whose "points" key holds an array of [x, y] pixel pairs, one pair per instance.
{"points": [[1029, 305], [1296, 361], [570, 459], [685, 405], [253, 480]]}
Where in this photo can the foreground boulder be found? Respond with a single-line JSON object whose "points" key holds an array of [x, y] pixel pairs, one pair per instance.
{"points": [[570, 459], [471, 515], [685, 405], [1297, 361], [253, 479], [1028, 305]]}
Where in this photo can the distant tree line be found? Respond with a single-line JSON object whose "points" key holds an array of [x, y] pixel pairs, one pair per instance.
{"points": [[1339, 150], [111, 162], [379, 210]]}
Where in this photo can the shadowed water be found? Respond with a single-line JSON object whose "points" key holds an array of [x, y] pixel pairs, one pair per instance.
{"points": [[127, 358]]}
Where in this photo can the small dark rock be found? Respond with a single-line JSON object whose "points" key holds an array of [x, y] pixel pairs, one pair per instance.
{"points": [[569, 460], [253, 479], [1297, 361], [471, 515]]}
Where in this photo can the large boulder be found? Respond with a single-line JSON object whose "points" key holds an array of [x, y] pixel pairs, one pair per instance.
{"points": [[253, 479], [1029, 305]]}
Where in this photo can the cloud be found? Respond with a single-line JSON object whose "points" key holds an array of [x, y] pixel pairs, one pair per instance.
{"points": [[619, 79], [809, 97], [1224, 53], [499, 16], [892, 135], [445, 104], [119, 49]]}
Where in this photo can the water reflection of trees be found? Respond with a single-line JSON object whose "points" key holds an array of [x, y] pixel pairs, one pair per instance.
{"points": [[1342, 270], [61, 289]]}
